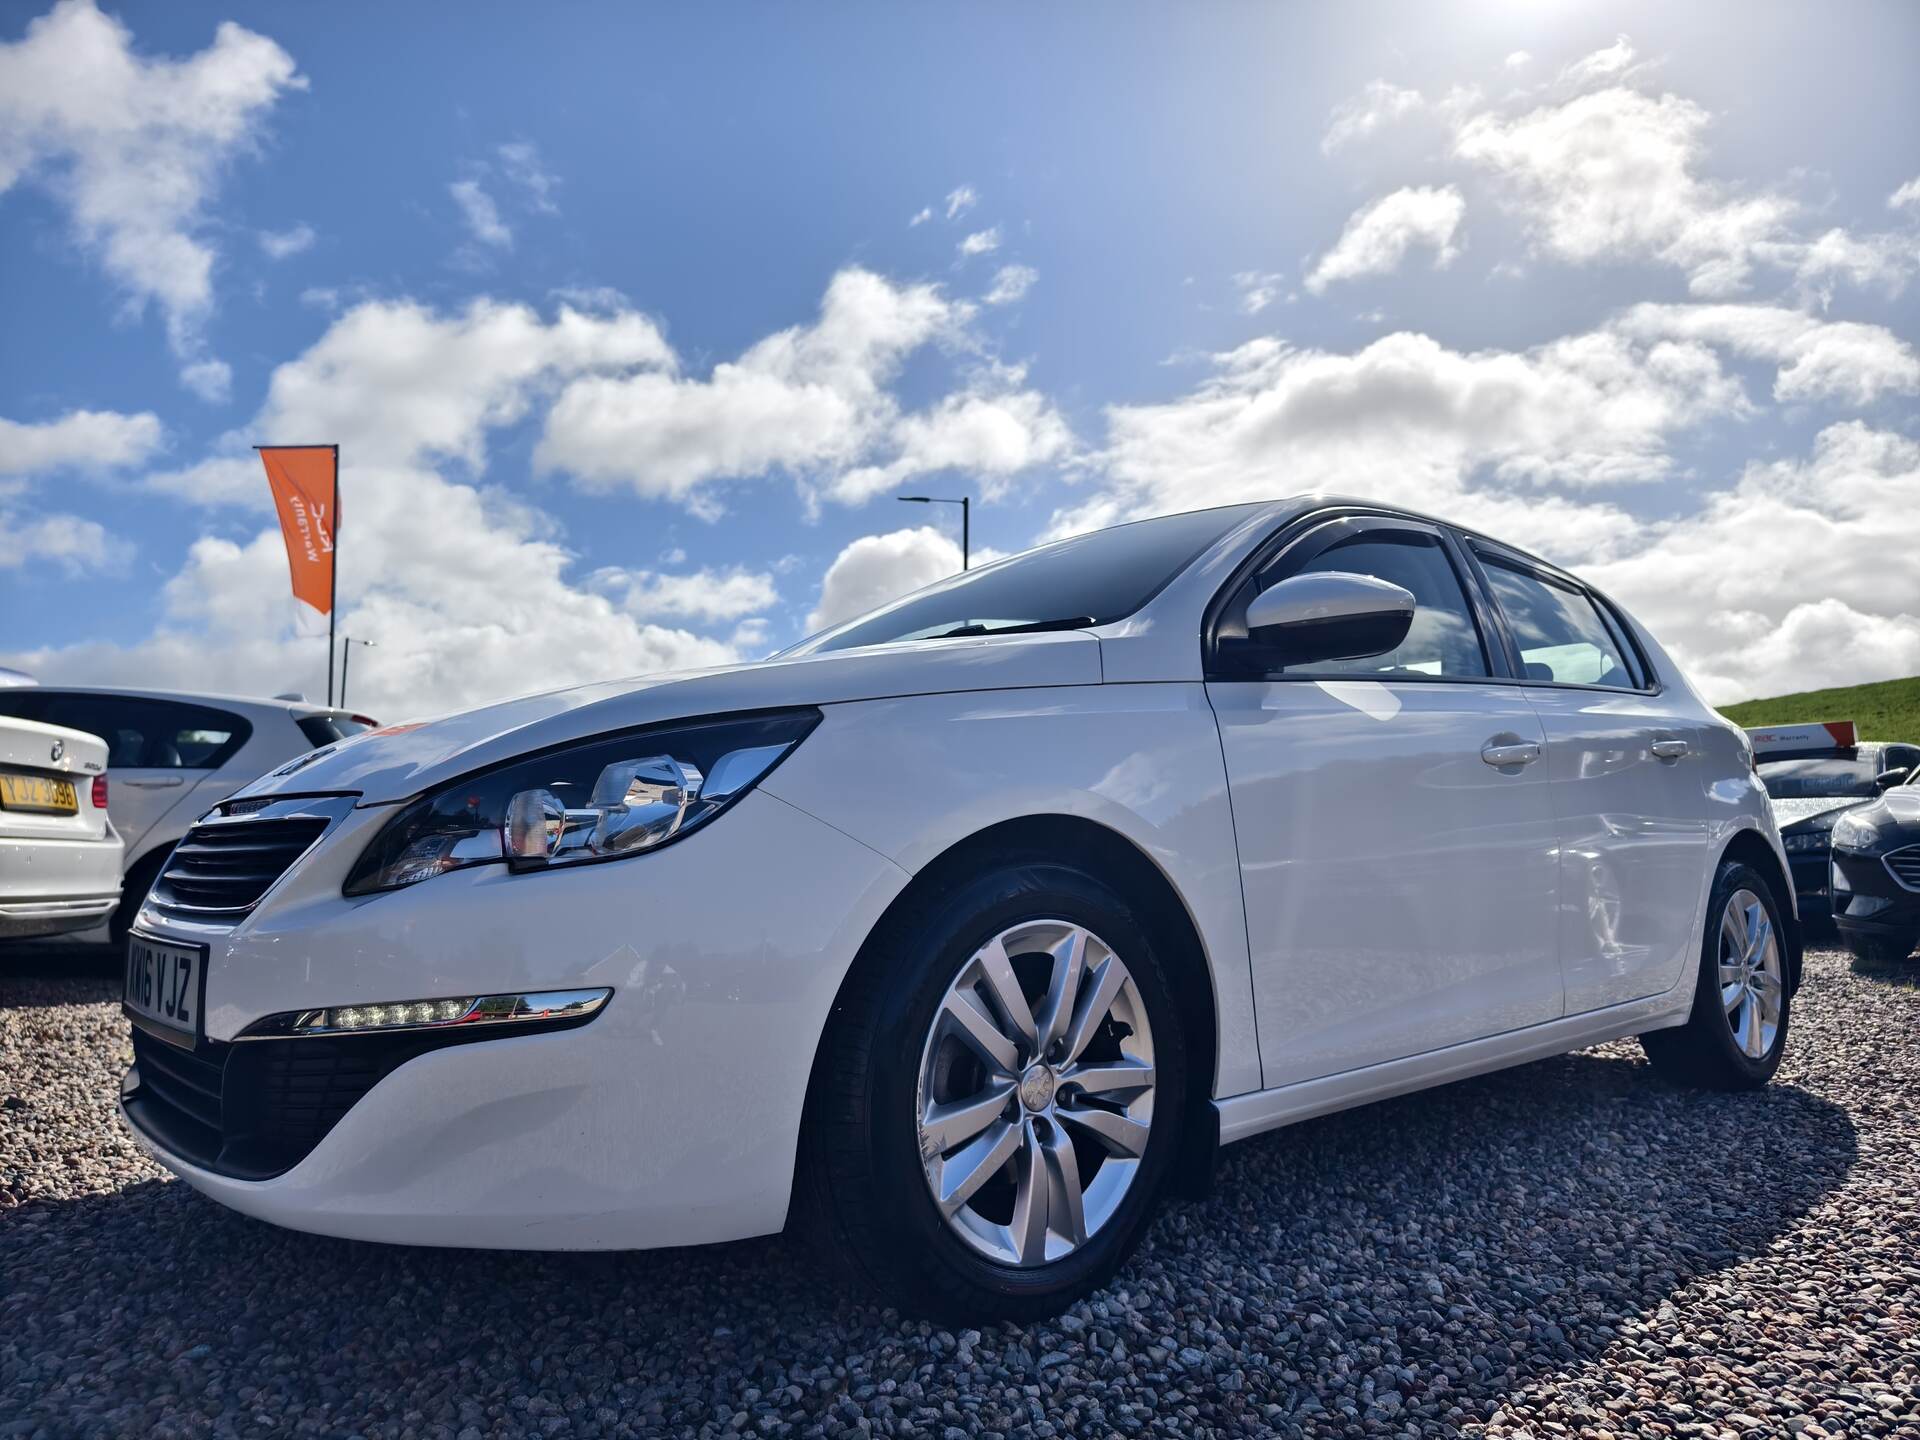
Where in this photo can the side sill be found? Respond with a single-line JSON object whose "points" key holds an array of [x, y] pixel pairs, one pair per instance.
{"points": [[1243, 1116]]}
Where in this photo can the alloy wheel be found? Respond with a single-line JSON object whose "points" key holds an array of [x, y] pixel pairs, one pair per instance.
{"points": [[1035, 1097], [1752, 987]]}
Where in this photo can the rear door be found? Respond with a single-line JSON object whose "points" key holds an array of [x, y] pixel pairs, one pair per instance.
{"points": [[1401, 889], [1629, 792]]}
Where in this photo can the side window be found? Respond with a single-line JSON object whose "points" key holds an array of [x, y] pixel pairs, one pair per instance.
{"points": [[1443, 640], [1563, 638], [151, 734]]}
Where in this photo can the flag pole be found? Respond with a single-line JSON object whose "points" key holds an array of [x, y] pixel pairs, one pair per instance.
{"points": [[333, 580]]}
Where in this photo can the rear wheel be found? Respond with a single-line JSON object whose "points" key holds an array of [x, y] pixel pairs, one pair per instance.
{"points": [[1737, 1030], [1000, 1097], [1880, 949]]}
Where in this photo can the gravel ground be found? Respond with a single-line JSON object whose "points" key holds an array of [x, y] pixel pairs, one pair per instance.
{"points": [[1567, 1248]]}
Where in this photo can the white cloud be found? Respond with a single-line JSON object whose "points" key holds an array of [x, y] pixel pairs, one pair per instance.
{"points": [[1358, 117], [981, 242], [1804, 574], [1258, 289], [960, 200], [1475, 435], [78, 440], [481, 214], [1378, 236], [920, 216], [72, 543], [1602, 65], [1611, 176], [282, 244], [520, 161], [134, 148], [708, 595], [810, 401], [877, 568], [468, 591], [991, 434], [1883, 261], [1907, 197], [1844, 361], [1518, 60], [1011, 284], [210, 379]]}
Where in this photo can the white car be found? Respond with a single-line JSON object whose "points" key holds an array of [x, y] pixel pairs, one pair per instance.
{"points": [[969, 928], [59, 856], [173, 756]]}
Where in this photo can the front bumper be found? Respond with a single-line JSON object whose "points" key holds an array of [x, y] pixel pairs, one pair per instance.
{"points": [[53, 886], [1869, 901], [671, 1118]]}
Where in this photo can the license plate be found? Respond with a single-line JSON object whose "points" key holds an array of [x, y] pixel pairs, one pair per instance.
{"points": [[37, 792], [165, 985]]}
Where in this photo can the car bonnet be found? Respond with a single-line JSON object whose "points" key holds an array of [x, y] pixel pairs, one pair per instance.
{"points": [[396, 762]]}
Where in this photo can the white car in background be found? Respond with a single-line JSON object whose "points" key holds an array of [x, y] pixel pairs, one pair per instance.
{"points": [[174, 756], [59, 856], [971, 927]]}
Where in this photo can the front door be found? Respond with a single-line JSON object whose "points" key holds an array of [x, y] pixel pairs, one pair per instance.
{"points": [[1396, 834]]}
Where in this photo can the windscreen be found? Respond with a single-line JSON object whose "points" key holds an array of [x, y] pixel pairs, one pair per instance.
{"points": [[1088, 580], [1818, 778]]}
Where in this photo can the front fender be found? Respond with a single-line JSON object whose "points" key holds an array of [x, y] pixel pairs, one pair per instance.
{"points": [[915, 775]]}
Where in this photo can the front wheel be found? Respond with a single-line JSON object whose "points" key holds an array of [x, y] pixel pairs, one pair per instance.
{"points": [[1000, 1096], [1737, 1031]]}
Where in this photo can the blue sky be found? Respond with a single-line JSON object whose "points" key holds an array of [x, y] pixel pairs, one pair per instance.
{"points": [[626, 329]]}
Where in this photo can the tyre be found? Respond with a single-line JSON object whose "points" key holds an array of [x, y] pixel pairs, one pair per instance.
{"points": [[133, 891], [999, 1096], [1880, 949], [1737, 1030]]}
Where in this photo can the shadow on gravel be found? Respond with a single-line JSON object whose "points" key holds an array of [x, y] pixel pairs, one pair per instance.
{"points": [[1445, 1249], [1904, 973]]}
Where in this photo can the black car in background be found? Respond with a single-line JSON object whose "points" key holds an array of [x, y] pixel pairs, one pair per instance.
{"points": [[1876, 874], [1811, 792]]}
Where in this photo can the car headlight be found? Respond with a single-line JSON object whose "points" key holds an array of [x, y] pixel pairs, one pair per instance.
{"points": [[1804, 840], [1853, 832], [602, 799]]}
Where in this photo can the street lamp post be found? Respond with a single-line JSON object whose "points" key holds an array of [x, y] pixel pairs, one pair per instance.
{"points": [[346, 658], [966, 516]]}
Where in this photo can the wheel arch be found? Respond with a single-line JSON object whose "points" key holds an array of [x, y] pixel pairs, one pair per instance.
{"points": [[1146, 886], [1749, 847]]}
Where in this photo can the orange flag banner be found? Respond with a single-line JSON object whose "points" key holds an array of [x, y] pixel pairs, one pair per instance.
{"points": [[306, 482]]}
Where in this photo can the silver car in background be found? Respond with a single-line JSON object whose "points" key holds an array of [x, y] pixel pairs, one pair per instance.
{"points": [[174, 756]]}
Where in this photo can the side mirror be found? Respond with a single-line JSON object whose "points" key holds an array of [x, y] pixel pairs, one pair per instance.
{"points": [[1329, 616], [1887, 779]]}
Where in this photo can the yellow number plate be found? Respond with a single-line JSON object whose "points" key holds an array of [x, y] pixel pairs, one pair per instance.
{"points": [[36, 792]]}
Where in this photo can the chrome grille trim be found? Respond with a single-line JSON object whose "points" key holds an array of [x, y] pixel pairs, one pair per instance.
{"points": [[234, 855], [1904, 865]]}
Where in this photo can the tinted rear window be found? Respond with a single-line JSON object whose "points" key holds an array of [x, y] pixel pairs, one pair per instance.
{"points": [[1093, 579], [141, 734]]}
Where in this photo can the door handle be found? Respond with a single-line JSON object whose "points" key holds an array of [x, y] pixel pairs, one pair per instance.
{"points": [[170, 782], [1669, 749], [1518, 752]]}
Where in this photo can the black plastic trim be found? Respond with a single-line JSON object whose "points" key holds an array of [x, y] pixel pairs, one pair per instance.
{"points": [[277, 1099]]}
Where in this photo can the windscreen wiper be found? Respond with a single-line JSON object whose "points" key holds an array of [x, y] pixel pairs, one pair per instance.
{"points": [[1066, 622]]}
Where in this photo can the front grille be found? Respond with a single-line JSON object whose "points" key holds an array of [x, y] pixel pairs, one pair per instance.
{"points": [[1905, 866], [223, 868]]}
